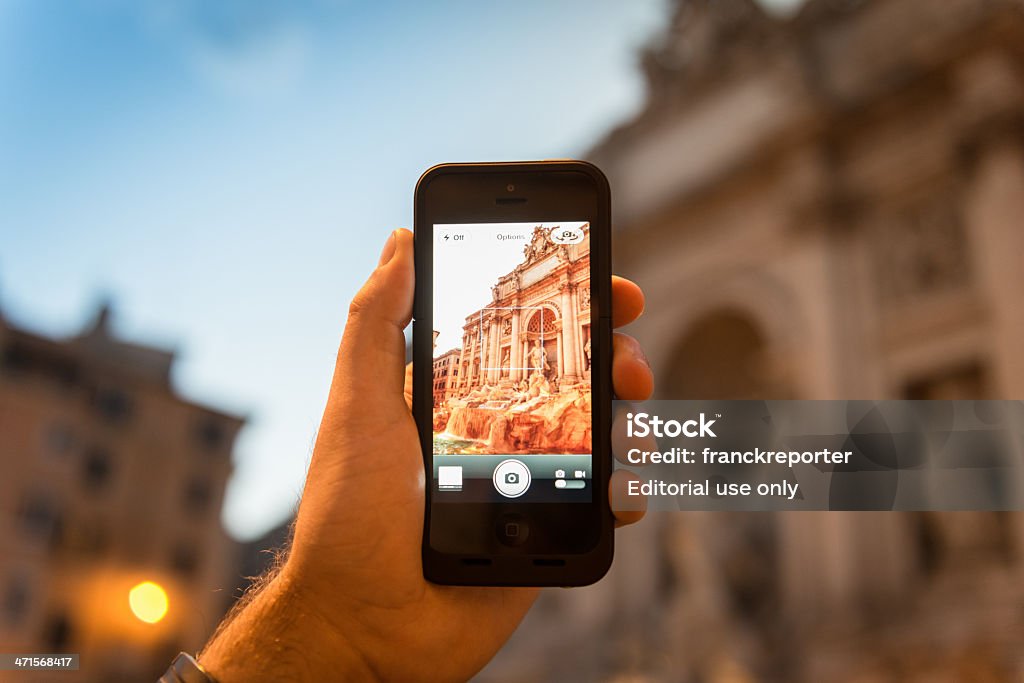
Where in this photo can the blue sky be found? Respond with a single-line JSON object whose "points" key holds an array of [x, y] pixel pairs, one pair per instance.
{"points": [[227, 171]]}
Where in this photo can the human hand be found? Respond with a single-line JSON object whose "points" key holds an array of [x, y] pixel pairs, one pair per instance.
{"points": [[350, 601]]}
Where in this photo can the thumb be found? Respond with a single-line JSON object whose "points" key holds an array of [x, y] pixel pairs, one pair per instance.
{"points": [[370, 370]]}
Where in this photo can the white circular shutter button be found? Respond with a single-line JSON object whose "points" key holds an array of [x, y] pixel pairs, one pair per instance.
{"points": [[511, 478]]}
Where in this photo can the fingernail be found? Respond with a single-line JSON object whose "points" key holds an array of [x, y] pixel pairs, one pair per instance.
{"points": [[638, 352], [389, 250]]}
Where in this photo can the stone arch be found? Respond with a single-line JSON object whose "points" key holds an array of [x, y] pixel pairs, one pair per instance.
{"points": [[544, 324], [548, 313], [738, 341], [723, 355]]}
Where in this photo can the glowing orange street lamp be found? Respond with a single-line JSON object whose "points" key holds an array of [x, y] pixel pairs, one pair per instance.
{"points": [[148, 601]]}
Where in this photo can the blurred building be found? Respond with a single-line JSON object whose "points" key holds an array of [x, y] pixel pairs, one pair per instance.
{"points": [[820, 206], [108, 478], [446, 375]]}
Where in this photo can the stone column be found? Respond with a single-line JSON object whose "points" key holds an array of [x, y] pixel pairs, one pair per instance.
{"points": [[579, 333], [994, 206], [588, 335], [461, 379], [494, 361], [516, 361], [993, 212], [570, 345], [480, 344], [559, 354]]}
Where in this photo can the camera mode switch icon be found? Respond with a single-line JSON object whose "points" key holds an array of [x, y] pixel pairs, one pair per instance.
{"points": [[511, 478]]}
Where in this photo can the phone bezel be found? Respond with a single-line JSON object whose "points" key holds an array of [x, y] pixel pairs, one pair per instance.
{"points": [[554, 190]]}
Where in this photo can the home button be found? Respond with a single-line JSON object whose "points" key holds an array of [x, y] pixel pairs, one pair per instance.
{"points": [[512, 529]]}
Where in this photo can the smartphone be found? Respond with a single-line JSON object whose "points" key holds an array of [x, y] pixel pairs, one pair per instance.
{"points": [[512, 372]]}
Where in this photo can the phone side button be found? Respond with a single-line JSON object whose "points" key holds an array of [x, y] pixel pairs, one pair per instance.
{"points": [[512, 529]]}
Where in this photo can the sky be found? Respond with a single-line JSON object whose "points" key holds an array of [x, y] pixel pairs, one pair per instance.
{"points": [[226, 173]]}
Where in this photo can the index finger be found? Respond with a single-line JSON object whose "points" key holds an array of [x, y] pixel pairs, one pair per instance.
{"points": [[627, 301]]}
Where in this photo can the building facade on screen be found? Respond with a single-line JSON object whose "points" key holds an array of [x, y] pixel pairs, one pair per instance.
{"points": [[520, 380], [543, 304]]}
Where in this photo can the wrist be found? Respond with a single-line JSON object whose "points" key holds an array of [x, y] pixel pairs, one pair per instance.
{"points": [[281, 633]]}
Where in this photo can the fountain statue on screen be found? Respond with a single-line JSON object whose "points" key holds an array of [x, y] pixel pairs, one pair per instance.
{"points": [[538, 359]]}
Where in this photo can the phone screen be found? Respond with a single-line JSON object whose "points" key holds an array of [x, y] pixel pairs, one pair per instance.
{"points": [[511, 377]]}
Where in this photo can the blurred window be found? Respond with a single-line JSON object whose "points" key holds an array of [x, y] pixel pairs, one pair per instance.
{"points": [[114, 405], [211, 434], [14, 359], [57, 632], [198, 495], [957, 538], [15, 601], [18, 359], [59, 439], [922, 250], [85, 537], [185, 559], [97, 469], [40, 516]]}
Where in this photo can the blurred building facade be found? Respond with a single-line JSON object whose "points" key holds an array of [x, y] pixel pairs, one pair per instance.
{"points": [[828, 205], [107, 478]]}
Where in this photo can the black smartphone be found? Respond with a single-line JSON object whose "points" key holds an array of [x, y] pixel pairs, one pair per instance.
{"points": [[512, 372]]}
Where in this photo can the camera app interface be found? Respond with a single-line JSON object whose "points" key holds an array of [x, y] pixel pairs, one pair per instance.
{"points": [[511, 371]]}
